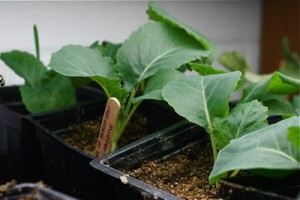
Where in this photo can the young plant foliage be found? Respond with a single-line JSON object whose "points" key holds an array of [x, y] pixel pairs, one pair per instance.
{"points": [[157, 13], [166, 47], [266, 148], [243, 119], [42, 91], [139, 68], [200, 99]]}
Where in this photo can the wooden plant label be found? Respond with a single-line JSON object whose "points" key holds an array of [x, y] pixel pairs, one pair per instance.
{"points": [[109, 120]]}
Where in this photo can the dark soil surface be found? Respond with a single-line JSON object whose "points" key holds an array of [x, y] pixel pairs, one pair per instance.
{"points": [[184, 175], [84, 136]]}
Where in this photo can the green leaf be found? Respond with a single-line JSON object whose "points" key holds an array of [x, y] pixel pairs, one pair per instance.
{"points": [[278, 83], [79, 61], [293, 136], [278, 105], [243, 119], [155, 46], [201, 99], [155, 84], [57, 93], [112, 88], [26, 66], [234, 61], [255, 91], [204, 69], [283, 84], [109, 49], [266, 148], [157, 13]]}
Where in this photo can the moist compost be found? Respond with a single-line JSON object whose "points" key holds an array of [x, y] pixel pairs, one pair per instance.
{"points": [[84, 135], [185, 175]]}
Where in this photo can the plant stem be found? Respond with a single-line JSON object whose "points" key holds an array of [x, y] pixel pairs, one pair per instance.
{"points": [[129, 111], [213, 144], [214, 149], [128, 118], [129, 102], [123, 124], [36, 42], [235, 173]]}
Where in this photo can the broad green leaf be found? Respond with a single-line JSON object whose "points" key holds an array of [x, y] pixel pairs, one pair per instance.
{"points": [[26, 66], [294, 136], [278, 83], [278, 105], [57, 93], [157, 13], [267, 148], [204, 69], [155, 46], [155, 84], [79, 61], [201, 99], [255, 91], [283, 84], [243, 119], [233, 61]]}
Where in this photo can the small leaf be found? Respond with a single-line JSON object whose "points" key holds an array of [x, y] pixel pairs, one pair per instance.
{"points": [[155, 46], [233, 61], [283, 84], [109, 49], [112, 88], [79, 61], [155, 84], [294, 136], [201, 99], [57, 93], [243, 119], [266, 148], [204, 69], [26, 66]]}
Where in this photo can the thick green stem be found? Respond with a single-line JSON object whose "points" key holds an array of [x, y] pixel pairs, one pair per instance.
{"points": [[214, 149], [213, 144], [36, 41]]}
